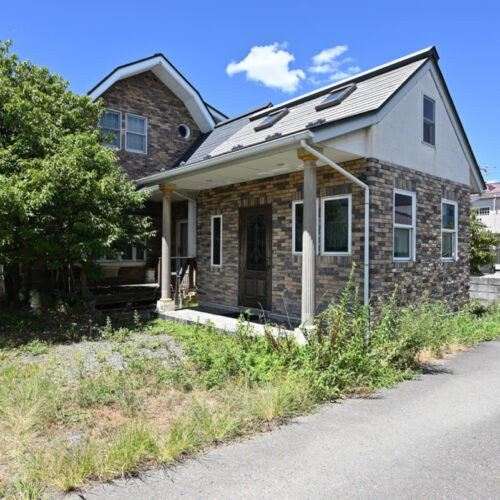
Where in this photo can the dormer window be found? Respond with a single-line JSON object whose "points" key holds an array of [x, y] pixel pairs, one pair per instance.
{"points": [[271, 119], [136, 136], [110, 124], [336, 97]]}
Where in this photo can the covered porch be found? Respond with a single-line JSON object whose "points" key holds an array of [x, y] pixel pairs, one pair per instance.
{"points": [[238, 242]]}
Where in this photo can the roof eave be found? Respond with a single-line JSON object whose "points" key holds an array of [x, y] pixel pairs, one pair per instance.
{"points": [[267, 147]]}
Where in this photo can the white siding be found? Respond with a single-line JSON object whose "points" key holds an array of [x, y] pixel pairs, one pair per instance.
{"points": [[397, 137]]}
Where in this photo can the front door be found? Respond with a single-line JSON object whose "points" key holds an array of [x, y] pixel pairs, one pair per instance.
{"points": [[255, 257]]}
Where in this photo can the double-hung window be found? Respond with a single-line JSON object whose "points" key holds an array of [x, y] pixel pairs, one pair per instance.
{"points": [[336, 225], [136, 137], [449, 218], [429, 121], [404, 216], [216, 241], [110, 124]]}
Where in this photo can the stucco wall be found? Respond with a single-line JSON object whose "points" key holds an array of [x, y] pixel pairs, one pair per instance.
{"points": [[397, 138], [443, 280]]}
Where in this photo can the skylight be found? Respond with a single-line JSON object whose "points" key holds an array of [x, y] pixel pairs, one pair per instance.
{"points": [[271, 119], [336, 97]]}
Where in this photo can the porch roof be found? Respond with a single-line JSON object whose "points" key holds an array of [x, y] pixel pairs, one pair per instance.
{"points": [[259, 162]]}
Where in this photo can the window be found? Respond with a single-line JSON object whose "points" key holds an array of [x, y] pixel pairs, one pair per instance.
{"points": [[271, 119], [483, 211], [449, 217], [336, 225], [184, 131], [404, 225], [216, 251], [429, 114], [136, 134], [110, 124], [131, 254], [336, 97], [298, 227]]}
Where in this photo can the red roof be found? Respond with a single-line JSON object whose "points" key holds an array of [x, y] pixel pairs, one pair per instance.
{"points": [[493, 188]]}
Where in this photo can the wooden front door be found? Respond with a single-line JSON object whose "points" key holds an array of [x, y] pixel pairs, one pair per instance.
{"points": [[255, 257]]}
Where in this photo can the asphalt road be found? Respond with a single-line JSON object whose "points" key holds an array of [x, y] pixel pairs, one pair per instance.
{"points": [[435, 437]]}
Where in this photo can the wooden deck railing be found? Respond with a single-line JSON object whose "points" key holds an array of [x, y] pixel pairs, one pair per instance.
{"points": [[178, 273]]}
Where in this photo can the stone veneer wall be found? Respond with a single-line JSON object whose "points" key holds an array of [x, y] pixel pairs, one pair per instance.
{"points": [[447, 281], [145, 95], [443, 280]]}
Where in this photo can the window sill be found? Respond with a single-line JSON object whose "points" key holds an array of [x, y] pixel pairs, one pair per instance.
{"points": [[335, 254], [136, 152], [122, 263], [433, 146]]}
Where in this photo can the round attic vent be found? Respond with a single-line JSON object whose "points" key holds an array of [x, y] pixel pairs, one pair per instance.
{"points": [[184, 131]]}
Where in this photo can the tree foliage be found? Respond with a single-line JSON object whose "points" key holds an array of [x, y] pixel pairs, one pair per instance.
{"points": [[63, 198], [481, 242]]}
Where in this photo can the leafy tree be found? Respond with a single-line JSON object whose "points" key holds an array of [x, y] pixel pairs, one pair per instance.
{"points": [[63, 198], [481, 242]]}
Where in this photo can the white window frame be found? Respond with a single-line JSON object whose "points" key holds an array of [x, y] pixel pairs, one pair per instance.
{"points": [[219, 216], [424, 119], [130, 150], [349, 224], [120, 129], [120, 259], [294, 236], [412, 227], [454, 231]]}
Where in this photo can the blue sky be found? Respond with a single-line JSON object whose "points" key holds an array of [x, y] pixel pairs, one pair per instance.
{"points": [[221, 45]]}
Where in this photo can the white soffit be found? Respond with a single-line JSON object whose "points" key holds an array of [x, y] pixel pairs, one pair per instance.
{"points": [[167, 74]]}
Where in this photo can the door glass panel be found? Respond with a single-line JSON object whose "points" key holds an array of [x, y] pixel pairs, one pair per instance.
{"points": [[256, 243]]}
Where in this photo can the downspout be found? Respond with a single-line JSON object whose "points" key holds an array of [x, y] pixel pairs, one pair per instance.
{"points": [[345, 173]]}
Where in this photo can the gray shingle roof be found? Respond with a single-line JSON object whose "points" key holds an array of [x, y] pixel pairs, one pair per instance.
{"points": [[373, 90]]}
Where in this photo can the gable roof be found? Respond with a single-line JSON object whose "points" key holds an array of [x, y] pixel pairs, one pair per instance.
{"points": [[369, 96], [205, 116], [374, 90]]}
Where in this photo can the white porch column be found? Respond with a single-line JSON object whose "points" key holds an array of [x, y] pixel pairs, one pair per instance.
{"points": [[309, 240], [166, 303], [191, 228]]}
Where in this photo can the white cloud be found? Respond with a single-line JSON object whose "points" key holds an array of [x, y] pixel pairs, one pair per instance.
{"points": [[328, 55], [327, 64], [269, 65]]}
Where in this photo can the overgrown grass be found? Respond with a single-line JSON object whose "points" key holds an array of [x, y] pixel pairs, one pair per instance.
{"points": [[60, 433]]}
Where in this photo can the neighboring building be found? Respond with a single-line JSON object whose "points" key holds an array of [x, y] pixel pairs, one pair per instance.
{"points": [[487, 205], [278, 203]]}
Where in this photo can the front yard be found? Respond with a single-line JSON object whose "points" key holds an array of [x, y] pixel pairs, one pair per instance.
{"points": [[81, 402]]}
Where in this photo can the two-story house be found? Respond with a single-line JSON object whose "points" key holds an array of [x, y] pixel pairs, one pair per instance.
{"points": [[277, 204]]}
